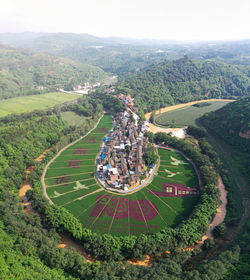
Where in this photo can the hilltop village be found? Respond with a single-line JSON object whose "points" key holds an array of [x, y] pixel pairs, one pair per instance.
{"points": [[120, 161]]}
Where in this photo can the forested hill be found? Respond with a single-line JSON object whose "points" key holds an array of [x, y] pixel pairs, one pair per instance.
{"points": [[25, 72], [185, 80], [232, 124], [232, 120]]}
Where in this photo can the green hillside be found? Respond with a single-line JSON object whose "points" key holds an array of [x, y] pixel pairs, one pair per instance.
{"points": [[232, 124], [185, 80], [23, 72]]}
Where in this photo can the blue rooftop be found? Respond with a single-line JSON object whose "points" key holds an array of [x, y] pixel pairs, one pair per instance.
{"points": [[103, 157], [107, 138]]}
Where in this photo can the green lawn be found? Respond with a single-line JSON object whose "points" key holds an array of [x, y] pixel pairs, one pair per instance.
{"points": [[25, 104], [146, 211], [187, 115]]}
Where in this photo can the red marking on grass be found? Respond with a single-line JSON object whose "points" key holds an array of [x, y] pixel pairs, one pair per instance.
{"points": [[74, 163], [114, 215], [62, 179], [176, 190], [155, 208], [104, 203], [87, 208], [90, 140], [80, 151], [102, 129], [126, 208], [171, 208], [166, 147]]}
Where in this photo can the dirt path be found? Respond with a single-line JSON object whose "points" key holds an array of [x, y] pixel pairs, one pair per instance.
{"points": [[67, 242], [178, 106], [220, 215], [57, 155], [242, 184], [27, 186], [177, 131]]}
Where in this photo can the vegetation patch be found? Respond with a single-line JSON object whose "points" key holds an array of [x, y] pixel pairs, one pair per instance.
{"points": [[72, 118], [187, 115], [30, 103], [202, 104]]}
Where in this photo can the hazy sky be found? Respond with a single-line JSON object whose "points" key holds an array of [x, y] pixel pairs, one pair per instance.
{"points": [[160, 19]]}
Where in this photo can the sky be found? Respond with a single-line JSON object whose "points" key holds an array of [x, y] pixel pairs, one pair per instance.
{"points": [[157, 19]]}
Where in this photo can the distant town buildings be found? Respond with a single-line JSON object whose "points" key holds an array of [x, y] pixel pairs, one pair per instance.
{"points": [[83, 89]]}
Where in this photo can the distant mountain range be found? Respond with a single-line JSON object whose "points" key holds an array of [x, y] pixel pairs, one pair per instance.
{"points": [[152, 70], [123, 55]]}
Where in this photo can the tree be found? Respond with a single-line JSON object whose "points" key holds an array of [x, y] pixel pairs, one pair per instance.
{"points": [[150, 156]]}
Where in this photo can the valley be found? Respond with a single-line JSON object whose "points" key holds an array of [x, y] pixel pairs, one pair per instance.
{"points": [[123, 159]]}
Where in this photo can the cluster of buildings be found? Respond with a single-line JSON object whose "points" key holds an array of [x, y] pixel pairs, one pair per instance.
{"points": [[128, 101], [120, 162], [83, 89], [86, 87]]}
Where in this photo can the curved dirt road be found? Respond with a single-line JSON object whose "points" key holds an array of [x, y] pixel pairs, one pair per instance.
{"points": [[219, 217]]}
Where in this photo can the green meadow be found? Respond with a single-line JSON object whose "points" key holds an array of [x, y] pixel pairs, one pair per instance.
{"points": [[29, 103], [187, 115]]}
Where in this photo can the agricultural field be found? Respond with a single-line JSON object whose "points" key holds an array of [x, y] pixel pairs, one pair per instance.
{"points": [[25, 104], [71, 118], [187, 115], [166, 201]]}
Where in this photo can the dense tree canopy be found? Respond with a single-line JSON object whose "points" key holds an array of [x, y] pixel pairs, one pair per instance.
{"points": [[184, 80]]}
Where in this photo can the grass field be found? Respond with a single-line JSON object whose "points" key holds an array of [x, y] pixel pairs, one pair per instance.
{"points": [[187, 115], [25, 104], [73, 119], [70, 183]]}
